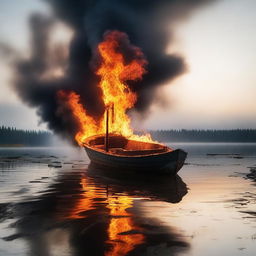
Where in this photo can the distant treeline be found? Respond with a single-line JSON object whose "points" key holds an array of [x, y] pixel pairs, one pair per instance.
{"points": [[237, 135], [12, 136]]}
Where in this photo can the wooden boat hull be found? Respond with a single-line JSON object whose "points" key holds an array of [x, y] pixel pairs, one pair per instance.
{"points": [[169, 162]]}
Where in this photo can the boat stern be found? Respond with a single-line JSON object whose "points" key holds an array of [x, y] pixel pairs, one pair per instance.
{"points": [[174, 166]]}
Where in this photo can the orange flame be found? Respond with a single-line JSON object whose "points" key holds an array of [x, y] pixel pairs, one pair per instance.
{"points": [[114, 72], [87, 125]]}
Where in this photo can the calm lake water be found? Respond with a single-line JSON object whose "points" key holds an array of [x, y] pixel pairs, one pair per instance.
{"points": [[51, 204]]}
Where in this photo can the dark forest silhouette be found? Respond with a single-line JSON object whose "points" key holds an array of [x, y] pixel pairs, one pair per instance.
{"points": [[13, 136]]}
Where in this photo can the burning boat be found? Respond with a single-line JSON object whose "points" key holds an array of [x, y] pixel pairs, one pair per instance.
{"points": [[109, 140], [114, 151], [117, 152]]}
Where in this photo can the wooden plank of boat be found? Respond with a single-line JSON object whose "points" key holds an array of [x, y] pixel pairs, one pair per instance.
{"points": [[130, 155]]}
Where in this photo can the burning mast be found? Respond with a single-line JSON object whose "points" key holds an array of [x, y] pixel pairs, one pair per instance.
{"points": [[115, 71]]}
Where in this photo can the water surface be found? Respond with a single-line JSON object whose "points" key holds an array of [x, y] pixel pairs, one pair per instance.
{"points": [[52, 203]]}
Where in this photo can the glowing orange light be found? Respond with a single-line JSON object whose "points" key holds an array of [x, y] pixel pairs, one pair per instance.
{"points": [[120, 222], [114, 72]]}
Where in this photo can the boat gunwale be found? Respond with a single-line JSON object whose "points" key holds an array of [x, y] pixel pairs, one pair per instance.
{"points": [[86, 145]]}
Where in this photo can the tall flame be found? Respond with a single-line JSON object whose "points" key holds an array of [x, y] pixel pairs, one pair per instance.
{"points": [[114, 72]]}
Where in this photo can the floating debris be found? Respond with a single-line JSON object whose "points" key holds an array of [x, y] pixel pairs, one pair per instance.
{"points": [[252, 174], [55, 165]]}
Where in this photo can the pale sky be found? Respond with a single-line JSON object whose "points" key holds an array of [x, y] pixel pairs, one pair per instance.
{"points": [[219, 90]]}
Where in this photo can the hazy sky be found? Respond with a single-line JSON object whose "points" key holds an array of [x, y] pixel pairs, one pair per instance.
{"points": [[219, 90]]}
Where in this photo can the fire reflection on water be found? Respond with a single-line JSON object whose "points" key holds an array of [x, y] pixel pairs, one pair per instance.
{"points": [[122, 222], [123, 234]]}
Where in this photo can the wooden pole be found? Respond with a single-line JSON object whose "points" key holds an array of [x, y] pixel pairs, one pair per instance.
{"points": [[107, 135], [113, 113]]}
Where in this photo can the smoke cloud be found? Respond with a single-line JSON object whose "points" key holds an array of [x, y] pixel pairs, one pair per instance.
{"points": [[147, 24]]}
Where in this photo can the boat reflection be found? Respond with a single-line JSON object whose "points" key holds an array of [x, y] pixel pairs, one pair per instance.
{"points": [[120, 220], [167, 188], [100, 215]]}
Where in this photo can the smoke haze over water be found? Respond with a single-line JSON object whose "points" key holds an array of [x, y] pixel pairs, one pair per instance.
{"points": [[147, 24]]}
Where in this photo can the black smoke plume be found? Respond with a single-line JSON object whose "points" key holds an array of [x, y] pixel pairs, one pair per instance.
{"points": [[146, 22]]}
